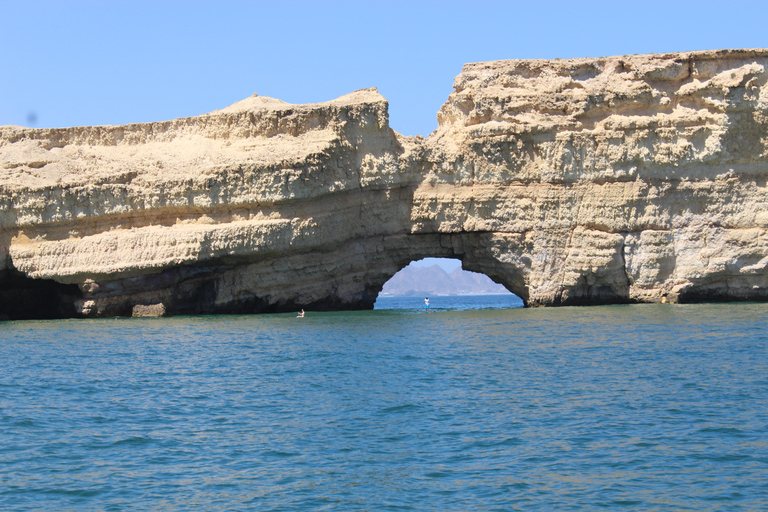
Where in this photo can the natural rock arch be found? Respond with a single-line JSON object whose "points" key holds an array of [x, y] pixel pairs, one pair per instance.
{"points": [[580, 181], [467, 248]]}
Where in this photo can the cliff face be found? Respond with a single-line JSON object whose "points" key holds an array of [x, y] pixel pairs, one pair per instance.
{"points": [[618, 179], [262, 206], [584, 181]]}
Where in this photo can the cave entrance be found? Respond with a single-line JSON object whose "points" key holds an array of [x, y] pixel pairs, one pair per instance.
{"points": [[447, 285], [23, 298]]}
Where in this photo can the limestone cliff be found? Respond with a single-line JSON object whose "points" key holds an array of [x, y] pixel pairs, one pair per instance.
{"points": [[583, 181], [635, 178]]}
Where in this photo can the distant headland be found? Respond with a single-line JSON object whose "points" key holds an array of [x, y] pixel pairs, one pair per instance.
{"points": [[571, 182]]}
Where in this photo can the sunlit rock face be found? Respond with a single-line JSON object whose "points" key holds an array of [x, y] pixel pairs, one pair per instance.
{"points": [[621, 179], [262, 206], [584, 181]]}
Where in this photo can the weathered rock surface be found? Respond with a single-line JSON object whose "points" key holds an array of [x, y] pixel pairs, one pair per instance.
{"points": [[582, 181], [151, 310]]}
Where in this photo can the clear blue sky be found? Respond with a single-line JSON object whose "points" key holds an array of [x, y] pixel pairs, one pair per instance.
{"points": [[70, 63], [447, 264]]}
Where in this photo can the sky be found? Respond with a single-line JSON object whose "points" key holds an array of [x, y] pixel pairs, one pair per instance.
{"points": [[447, 264], [76, 63]]}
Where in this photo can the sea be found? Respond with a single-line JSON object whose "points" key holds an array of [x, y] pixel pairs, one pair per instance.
{"points": [[478, 404]]}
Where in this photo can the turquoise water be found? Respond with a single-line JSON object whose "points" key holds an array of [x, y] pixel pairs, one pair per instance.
{"points": [[451, 303], [619, 407]]}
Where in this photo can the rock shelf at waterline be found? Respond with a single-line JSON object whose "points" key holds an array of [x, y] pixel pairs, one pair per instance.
{"points": [[571, 182]]}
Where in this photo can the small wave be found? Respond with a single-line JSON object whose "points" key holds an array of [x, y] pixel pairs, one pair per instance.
{"points": [[723, 458], [398, 409], [196, 397], [733, 497], [133, 441], [516, 485], [79, 493], [511, 441], [732, 431], [102, 419], [438, 474], [626, 503], [537, 460], [279, 454]]}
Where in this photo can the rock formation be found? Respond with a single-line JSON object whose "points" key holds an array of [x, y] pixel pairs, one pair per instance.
{"points": [[580, 181]]}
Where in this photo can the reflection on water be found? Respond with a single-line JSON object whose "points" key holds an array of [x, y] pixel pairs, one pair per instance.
{"points": [[643, 407]]}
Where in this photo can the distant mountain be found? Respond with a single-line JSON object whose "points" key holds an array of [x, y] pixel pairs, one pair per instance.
{"points": [[415, 281]]}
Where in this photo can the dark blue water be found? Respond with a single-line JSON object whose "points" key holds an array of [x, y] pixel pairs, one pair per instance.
{"points": [[621, 407]]}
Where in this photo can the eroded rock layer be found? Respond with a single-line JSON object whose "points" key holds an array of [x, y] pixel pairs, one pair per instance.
{"points": [[583, 181]]}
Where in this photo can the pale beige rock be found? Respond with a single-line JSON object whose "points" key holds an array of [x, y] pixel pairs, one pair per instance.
{"points": [[581, 181], [148, 311], [631, 178]]}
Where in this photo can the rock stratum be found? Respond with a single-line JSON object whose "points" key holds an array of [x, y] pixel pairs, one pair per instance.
{"points": [[581, 181]]}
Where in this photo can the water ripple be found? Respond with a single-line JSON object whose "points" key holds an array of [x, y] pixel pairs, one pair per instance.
{"points": [[637, 408]]}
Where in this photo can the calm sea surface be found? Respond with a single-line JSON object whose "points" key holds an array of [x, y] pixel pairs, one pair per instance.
{"points": [[479, 405]]}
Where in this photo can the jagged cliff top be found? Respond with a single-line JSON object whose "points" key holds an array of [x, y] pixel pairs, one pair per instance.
{"points": [[259, 130], [650, 59], [497, 98], [257, 103], [605, 93]]}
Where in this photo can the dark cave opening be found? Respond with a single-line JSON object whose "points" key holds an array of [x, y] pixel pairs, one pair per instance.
{"points": [[23, 298]]}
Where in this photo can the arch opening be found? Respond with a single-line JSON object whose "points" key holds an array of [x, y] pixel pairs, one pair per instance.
{"points": [[447, 285]]}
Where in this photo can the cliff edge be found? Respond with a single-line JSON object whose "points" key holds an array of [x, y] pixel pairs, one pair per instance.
{"points": [[581, 181]]}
